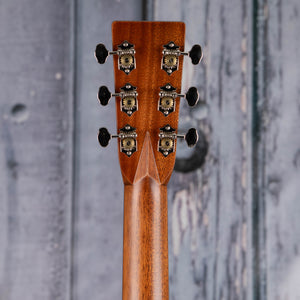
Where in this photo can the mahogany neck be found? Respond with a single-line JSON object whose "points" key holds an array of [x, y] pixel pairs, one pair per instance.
{"points": [[145, 247]]}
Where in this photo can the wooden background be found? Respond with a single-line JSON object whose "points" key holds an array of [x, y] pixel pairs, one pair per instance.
{"points": [[234, 224]]}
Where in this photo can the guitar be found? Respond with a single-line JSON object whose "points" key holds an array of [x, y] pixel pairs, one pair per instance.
{"points": [[148, 59]]}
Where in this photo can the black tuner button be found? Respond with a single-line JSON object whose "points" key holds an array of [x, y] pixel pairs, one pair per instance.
{"points": [[171, 52], [101, 53], [125, 52], [104, 95], [167, 136], [191, 137], [127, 136], [128, 95], [103, 137], [196, 54], [192, 96]]}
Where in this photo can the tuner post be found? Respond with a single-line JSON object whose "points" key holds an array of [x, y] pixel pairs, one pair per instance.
{"points": [[128, 95], [127, 136], [168, 94], [126, 53], [171, 53], [167, 136]]}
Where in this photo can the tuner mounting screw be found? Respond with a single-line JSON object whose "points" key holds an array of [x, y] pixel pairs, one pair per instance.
{"points": [[127, 136], [166, 143], [129, 102], [168, 94], [126, 53], [167, 103], [128, 143], [171, 52], [128, 97], [167, 136]]}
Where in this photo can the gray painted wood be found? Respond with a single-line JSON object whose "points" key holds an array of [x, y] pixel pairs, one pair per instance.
{"points": [[99, 188], [233, 224], [210, 209], [35, 149], [278, 149]]}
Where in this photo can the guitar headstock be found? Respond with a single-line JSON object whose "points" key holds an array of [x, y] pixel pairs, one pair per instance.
{"points": [[148, 60]]}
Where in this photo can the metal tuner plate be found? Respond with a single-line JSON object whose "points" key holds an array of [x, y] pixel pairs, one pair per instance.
{"points": [[170, 59], [126, 60], [129, 102], [128, 144], [167, 136], [167, 96]]}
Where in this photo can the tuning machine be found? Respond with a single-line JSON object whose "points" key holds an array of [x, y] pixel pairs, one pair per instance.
{"points": [[127, 136], [126, 53], [171, 53], [167, 136], [167, 96], [128, 95]]}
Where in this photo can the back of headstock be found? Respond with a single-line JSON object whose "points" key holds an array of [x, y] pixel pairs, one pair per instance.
{"points": [[148, 60]]}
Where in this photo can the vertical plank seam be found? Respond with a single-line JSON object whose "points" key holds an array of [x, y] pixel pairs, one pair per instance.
{"points": [[148, 10], [73, 100], [259, 53]]}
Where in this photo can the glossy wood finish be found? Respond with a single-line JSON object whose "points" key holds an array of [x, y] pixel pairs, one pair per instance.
{"points": [[147, 172], [148, 39], [145, 257], [211, 225], [211, 253], [98, 222]]}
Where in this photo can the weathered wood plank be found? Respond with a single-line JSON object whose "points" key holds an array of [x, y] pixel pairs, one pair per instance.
{"points": [[278, 151], [98, 207], [35, 149], [210, 209]]}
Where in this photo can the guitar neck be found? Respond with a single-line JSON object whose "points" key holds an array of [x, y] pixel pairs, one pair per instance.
{"points": [[148, 59], [145, 248]]}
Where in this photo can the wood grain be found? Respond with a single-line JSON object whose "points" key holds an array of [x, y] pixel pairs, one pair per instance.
{"points": [[147, 172], [98, 199], [210, 222], [148, 38], [210, 210], [277, 152], [145, 253], [35, 150]]}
